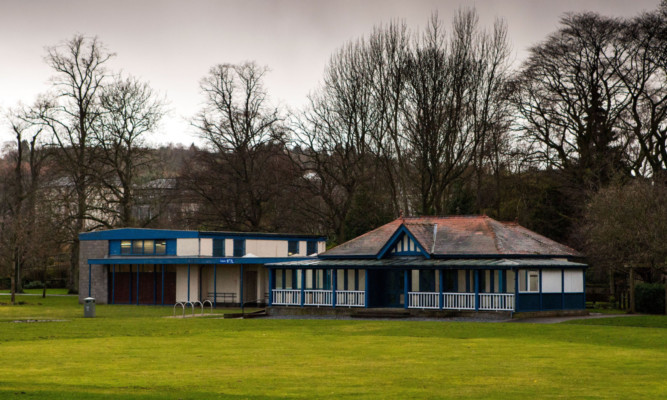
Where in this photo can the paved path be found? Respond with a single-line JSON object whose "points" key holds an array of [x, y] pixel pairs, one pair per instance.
{"points": [[542, 320]]}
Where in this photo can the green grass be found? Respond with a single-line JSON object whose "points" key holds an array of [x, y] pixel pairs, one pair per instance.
{"points": [[39, 291], [646, 321], [132, 352]]}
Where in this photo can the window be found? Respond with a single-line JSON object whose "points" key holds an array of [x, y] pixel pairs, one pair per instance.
{"points": [[218, 247], [292, 247], [149, 247], [137, 247], [146, 247], [529, 281], [239, 247], [279, 278], [125, 247], [449, 280], [160, 247], [311, 248], [426, 280], [481, 285]]}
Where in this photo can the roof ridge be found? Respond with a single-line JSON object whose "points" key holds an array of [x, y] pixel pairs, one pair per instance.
{"points": [[487, 222], [446, 216]]}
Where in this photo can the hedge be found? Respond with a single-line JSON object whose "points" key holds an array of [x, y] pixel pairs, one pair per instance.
{"points": [[650, 298]]}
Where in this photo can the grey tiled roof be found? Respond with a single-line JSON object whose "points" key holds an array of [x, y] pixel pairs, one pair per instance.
{"points": [[458, 236]]}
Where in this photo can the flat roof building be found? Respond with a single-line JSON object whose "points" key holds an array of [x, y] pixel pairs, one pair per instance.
{"points": [[160, 266]]}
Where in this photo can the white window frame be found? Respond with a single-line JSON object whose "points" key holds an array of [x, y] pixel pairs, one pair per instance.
{"points": [[527, 274]]}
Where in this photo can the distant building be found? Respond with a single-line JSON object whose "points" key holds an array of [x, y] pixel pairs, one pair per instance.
{"points": [[463, 263], [156, 266]]}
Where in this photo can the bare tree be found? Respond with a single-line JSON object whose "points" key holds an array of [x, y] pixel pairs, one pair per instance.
{"points": [[70, 117], [640, 62], [129, 111], [570, 100], [241, 130], [454, 103], [491, 109], [389, 52], [335, 136], [19, 222]]}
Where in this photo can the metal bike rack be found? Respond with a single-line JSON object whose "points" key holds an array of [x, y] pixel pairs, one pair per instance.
{"points": [[210, 304], [197, 302], [192, 305], [179, 304]]}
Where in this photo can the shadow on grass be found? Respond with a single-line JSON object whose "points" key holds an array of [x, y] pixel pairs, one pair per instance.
{"points": [[20, 390]]}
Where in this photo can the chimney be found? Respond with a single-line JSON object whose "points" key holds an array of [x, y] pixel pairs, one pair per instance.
{"points": [[435, 235]]}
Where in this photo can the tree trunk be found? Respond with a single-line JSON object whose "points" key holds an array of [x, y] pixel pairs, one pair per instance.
{"points": [[13, 290], [17, 269], [43, 282], [632, 291], [72, 280], [612, 287]]}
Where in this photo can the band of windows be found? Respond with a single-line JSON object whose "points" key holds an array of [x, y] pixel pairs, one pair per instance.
{"points": [[146, 247]]}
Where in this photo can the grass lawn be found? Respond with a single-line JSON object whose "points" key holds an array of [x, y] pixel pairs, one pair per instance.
{"points": [[39, 291], [132, 352]]}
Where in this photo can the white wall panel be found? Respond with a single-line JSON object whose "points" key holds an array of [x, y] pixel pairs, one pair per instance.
{"points": [[551, 281], [574, 281], [187, 247], [206, 247]]}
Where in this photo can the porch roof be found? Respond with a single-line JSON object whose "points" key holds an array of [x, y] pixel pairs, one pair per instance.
{"points": [[418, 262]]}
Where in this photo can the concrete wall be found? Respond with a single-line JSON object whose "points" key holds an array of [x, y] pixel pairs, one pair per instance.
{"points": [[206, 247], [182, 282], [187, 247], [99, 288], [270, 248], [263, 248], [461, 284], [229, 247], [510, 281], [414, 278]]}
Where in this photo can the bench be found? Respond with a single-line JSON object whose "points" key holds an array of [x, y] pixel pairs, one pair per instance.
{"points": [[223, 297]]}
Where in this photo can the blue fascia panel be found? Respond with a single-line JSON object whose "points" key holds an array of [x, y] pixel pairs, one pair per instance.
{"points": [[114, 247], [171, 247], [137, 233], [142, 233], [402, 230], [262, 236], [349, 257], [193, 260]]}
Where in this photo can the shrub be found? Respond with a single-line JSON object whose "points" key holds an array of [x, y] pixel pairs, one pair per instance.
{"points": [[5, 283], [650, 298], [33, 285]]}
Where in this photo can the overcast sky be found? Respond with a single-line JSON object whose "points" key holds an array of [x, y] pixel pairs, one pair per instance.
{"points": [[172, 44]]}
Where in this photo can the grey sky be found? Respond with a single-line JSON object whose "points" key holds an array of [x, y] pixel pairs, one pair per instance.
{"points": [[172, 44]]}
